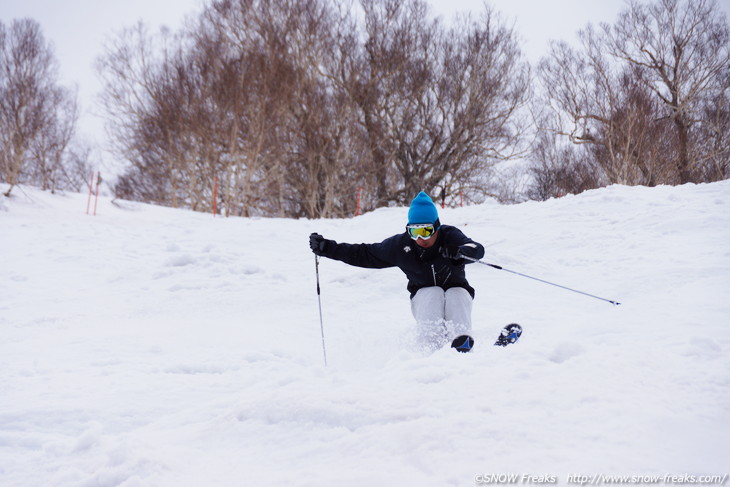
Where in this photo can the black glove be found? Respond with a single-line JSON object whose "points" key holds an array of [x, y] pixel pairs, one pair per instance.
{"points": [[317, 243], [452, 252]]}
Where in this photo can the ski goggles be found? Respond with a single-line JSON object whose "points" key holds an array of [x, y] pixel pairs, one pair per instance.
{"points": [[423, 230]]}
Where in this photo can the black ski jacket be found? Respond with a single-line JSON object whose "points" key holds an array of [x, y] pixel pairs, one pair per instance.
{"points": [[423, 267]]}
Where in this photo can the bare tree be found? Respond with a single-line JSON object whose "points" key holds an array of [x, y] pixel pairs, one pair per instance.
{"points": [[271, 51], [713, 134], [594, 103], [291, 105], [37, 116], [559, 169], [51, 148], [437, 106], [239, 102], [634, 93], [681, 51], [151, 95], [323, 148]]}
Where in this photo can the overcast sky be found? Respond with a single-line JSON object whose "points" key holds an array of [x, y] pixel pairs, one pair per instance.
{"points": [[77, 28]]}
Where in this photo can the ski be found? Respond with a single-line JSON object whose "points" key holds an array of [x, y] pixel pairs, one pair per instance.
{"points": [[508, 335], [463, 343]]}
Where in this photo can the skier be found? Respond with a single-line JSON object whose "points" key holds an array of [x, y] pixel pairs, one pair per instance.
{"points": [[430, 256]]}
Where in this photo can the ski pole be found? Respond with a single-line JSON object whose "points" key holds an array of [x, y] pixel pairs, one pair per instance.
{"points": [[499, 267], [319, 300]]}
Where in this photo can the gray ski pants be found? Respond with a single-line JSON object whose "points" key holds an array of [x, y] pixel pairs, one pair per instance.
{"points": [[441, 315]]}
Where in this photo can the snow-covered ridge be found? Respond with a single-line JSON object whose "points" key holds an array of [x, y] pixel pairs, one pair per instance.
{"points": [[149, 346]]}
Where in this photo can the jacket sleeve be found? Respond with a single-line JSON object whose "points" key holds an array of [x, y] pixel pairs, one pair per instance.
{"points": [[371, 256]]}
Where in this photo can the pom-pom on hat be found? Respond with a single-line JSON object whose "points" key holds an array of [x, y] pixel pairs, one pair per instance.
{"points": [[422, 210]]}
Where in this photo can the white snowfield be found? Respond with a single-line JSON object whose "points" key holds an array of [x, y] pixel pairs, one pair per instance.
{"points": [[149, 346]]}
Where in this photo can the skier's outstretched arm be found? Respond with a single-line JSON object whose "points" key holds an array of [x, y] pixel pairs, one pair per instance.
{"points": [[372, 256]]}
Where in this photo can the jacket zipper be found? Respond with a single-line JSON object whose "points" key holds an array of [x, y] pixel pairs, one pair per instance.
{"points": [[435, 281]]}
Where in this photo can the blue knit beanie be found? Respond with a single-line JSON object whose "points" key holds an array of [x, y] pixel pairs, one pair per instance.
{"points": [[422, 210]]}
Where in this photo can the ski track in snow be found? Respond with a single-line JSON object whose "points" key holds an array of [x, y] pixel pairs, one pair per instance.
{"points": [[149, 346]]}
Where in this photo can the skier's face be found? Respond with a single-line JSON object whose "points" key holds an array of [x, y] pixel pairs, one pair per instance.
{"points": [[428, 242]]}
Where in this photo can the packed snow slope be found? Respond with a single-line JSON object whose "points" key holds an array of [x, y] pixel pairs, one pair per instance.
{"points": [[149, 346]]}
